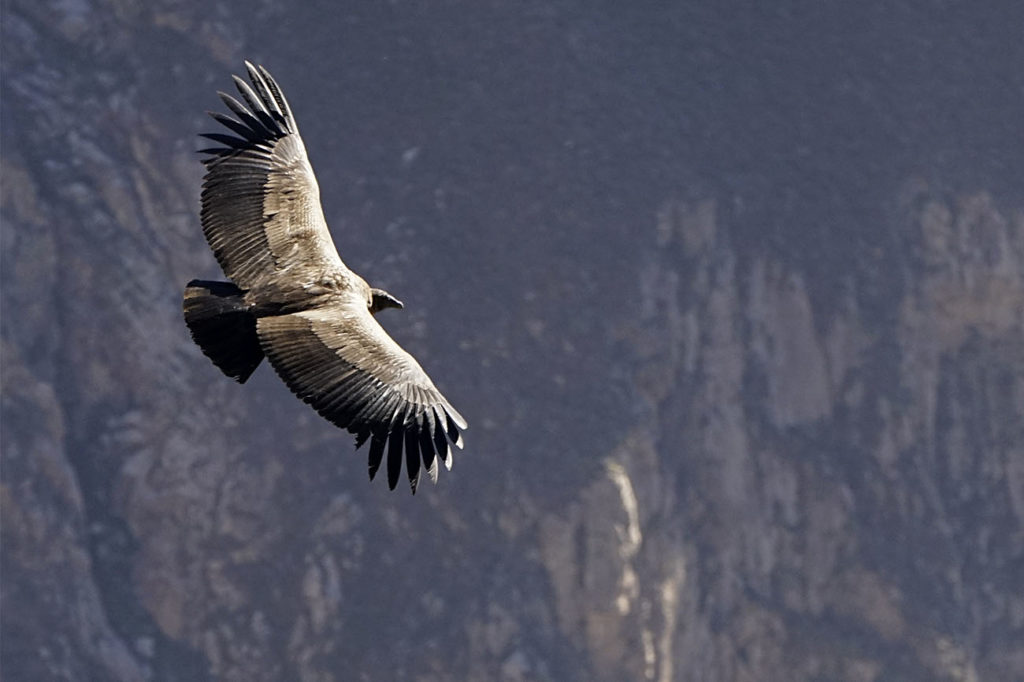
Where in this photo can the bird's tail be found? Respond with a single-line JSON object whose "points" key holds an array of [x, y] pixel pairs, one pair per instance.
{"points": [[223, 327]]}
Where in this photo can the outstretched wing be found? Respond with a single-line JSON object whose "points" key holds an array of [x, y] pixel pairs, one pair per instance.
{"points": [[342, 362], [261, 209]]}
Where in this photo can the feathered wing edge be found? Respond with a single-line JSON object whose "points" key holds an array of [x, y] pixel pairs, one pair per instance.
{"points": [[415, 421], [266, 119], [260, 202]]}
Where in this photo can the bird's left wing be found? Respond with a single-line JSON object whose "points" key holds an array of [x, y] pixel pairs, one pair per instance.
{"points": [[341, 361], [261, 209]]}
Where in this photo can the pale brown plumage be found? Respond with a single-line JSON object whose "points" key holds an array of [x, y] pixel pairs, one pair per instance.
{"points": [[294, 301]]}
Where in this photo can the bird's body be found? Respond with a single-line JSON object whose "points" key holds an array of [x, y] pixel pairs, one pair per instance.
{"points": [[294, 301]]}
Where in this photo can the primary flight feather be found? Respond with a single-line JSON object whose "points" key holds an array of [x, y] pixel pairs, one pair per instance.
{"points": [[292, 300]]}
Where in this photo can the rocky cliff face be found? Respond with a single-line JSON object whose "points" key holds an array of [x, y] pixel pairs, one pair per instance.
{"points": [[834, 516], [765, 425]]}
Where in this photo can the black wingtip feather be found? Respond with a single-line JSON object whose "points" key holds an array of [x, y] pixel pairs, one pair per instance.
{"points": [[395, 442], [456, 417], [226, 140], [412, 456], [237, 127], [245, 116], [275, 90], [441, 442], [258, 108], [376, 453], [453, 431], [263, 90], [247, 94], [427, 445]]}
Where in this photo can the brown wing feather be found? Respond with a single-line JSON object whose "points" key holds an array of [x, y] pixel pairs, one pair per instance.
{"points": [[342, 362], [261, 209]]}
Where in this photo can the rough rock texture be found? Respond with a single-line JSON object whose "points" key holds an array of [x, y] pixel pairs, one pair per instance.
{"points": [[848, 537], [733, 301]]}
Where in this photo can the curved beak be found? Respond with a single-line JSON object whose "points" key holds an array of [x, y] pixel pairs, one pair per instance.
{"points": [[382, 300]]}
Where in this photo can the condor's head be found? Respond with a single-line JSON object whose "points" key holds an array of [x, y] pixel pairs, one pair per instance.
{"points": [[380, 299]]}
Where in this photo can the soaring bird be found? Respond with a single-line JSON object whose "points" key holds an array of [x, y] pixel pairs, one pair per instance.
{"points": [[293, 300]]}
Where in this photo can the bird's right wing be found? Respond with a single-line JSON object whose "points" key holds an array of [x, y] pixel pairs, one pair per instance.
{"points": [[261, 209], [341, 361]]}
